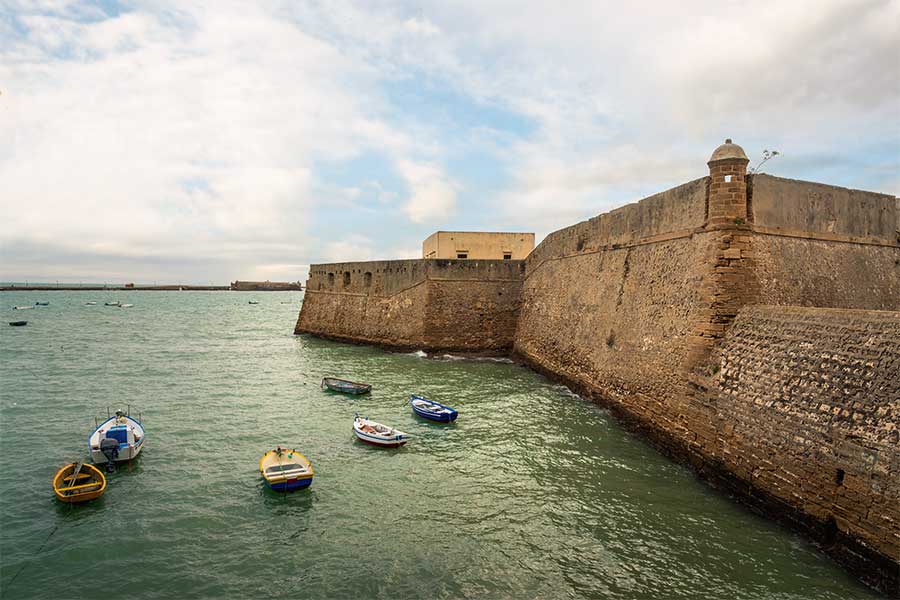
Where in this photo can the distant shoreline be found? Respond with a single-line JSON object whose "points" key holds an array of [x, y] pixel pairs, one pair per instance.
{"points": [[143, 288]]}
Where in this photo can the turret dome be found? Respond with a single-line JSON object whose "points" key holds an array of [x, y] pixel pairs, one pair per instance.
{"points": [[728, 151]]}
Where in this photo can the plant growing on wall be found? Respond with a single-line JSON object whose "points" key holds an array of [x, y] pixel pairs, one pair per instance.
{"points": [[767, 155]]}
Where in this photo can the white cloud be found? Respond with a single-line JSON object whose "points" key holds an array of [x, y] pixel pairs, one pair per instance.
{"points": [[405, 252], [281, 273], [351, 249], [632, 96], [150, 136], [196, 132], [421, 26], [432, 193], [361, 248]]}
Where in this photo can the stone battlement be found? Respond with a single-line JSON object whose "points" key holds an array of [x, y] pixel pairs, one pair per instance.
{"points": [[422, 304], [747, 324]]}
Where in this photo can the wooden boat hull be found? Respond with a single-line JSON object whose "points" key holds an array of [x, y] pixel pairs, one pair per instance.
{"points": [[344, 386], [75, 492], [286, 470], [290, 486], [18, 323], [447, 415]]}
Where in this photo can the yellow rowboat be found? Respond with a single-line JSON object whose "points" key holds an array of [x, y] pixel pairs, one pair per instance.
{"points": [[286, 470], [79, 482]]}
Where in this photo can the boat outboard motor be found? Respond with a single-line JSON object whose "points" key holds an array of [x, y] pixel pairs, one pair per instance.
{"points": [[110, 449]]}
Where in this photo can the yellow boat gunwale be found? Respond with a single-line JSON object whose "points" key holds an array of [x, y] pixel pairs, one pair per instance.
{"points": [[278, 479], [65, 474]]}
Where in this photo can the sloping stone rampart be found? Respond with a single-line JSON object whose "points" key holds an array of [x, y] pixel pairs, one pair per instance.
{"points": [[815, 272], [743, 323], [808, 406], [603, 317], [638, 323], [679, 209]]}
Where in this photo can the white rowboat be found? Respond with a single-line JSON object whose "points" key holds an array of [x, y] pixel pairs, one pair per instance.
{"points": [[378, 434]]}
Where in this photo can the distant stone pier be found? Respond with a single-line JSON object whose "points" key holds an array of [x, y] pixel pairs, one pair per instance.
{"points": [[266, 286], [114, 288], [236, 286]]}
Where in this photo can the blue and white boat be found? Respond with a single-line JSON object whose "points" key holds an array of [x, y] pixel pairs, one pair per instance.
{"points": [[431, 410], [378, 434], [118, 438]]}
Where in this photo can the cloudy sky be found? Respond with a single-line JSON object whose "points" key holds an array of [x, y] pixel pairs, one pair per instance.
{"points": [[208, 141]]}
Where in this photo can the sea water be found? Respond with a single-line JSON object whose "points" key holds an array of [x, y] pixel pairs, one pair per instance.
{"points": [[532, 493]]}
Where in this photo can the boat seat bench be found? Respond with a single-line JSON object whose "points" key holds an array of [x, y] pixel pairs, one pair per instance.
{"points": [[78, 487], [287, 474]]}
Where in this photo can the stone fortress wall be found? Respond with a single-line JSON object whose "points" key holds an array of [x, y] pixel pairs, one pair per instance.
{"points": [[748, 325], [422, 304]]}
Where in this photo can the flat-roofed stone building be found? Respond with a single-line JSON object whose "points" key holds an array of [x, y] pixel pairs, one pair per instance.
{"points": [[478, 245]]}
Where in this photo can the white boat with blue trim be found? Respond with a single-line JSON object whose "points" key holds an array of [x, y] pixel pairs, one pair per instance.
{"points": [[378, 434], [117, 439]]}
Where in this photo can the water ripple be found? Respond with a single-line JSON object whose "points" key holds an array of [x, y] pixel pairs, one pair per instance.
{"points": [[532, 493]]}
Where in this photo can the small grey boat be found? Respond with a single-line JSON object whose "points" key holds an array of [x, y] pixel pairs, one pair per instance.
{"points": [[344, 386]]}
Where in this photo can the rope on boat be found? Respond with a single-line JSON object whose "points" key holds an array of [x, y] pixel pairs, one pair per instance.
{"points": [[281, 464]]}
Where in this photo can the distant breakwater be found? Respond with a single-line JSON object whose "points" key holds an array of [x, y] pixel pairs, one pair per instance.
{"points": [[115, 288], [144, 288]]}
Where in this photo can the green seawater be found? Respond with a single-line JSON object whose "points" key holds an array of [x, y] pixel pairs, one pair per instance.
{"points": [[533, 493]]}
